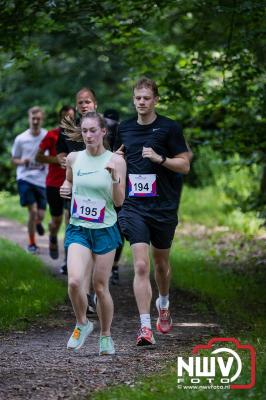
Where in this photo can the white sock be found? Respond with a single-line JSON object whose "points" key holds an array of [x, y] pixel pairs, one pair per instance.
{"points": [[145, 320], [164, 301]]}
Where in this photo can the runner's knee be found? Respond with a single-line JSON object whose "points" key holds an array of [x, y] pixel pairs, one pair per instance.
{"points": [[55, 223], [141, 268], [40, 215], [74, 283], [99, 287], [161, 265], [33, 214]]}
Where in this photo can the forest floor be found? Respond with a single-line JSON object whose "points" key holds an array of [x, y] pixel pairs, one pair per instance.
{"points": [[35, 363]]}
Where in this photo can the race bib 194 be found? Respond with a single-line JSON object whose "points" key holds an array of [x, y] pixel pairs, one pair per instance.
{"points": [[143, 185], [88, 209]]}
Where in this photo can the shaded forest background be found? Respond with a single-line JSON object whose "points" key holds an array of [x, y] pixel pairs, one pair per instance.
{"points": [[208, 58]]}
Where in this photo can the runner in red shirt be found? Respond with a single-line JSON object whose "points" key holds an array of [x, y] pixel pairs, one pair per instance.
{"points": [[55, 178]]}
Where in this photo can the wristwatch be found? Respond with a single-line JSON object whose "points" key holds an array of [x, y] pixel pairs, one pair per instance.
{"points": [[163, 159]]}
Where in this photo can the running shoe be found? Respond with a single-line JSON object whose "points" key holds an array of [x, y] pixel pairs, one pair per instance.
{"points": [[79, 335], [145, 337], [63, 269], [106, 346], [53, 247], [114, 279], [164, 322], [33, 249], [40, 229]]}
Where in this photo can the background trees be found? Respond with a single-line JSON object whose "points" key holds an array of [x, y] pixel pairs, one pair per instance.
{"points": [[208, 57]]}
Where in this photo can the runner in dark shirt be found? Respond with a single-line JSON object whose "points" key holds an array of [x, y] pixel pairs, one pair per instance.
{"points": [[165, 137], [155, 151], [85, 102]]}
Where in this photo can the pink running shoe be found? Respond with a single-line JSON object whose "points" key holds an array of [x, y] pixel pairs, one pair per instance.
{"points": [[145, 337], [164, 322]]}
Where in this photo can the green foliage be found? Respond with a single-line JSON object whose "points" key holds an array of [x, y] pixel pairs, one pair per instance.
{"points": [[11, 209], [27, 289], [229, 191], [208, 58], [211, 207], [207, 166]]}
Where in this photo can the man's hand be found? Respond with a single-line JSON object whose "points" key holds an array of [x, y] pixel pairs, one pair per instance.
{"points": [[121, 151], [21, 161], [66, 190], [26, 162], [148, 152], [62, 160]]}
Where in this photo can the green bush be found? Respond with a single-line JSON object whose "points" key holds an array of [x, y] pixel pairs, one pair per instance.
{"points": [[228, 192]]}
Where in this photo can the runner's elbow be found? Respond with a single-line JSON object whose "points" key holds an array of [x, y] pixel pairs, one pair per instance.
{"points": [[186, 168]]}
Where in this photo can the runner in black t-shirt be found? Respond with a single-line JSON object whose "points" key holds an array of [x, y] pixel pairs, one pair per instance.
{"points": [[85, 102], [155, 151]]}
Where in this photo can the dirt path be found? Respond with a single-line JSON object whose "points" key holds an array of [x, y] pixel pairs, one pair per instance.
{"points": [[36, 364]]}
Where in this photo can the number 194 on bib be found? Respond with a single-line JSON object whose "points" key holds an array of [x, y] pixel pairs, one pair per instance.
{"points": [[143, 185]]}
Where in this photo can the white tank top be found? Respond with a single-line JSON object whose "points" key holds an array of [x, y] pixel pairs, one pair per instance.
{"points": [[92, 203]]}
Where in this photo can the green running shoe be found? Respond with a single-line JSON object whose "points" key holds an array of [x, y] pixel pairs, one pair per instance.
{"points": [[106, 346], [79, 335]]}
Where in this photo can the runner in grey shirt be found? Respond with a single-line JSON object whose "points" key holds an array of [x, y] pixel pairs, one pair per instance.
{"points": [[31, 174]]}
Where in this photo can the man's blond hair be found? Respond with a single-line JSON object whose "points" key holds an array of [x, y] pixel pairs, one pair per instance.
{"points": [[35, 110]]}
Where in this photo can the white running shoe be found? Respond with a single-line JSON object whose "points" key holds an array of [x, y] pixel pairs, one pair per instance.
{"points": [[79, 335]]}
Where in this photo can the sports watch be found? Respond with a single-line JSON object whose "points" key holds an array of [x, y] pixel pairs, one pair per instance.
{"points": [[163, 159]]}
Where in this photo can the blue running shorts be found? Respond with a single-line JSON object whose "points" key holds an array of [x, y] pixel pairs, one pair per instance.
{"points": [[99, 241]]}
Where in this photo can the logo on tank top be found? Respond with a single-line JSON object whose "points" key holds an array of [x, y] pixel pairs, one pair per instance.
{"points": [[80, 173]]}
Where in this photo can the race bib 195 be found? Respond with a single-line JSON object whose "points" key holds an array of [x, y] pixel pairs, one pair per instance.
{"points": [[88, 209], [143, 185]]}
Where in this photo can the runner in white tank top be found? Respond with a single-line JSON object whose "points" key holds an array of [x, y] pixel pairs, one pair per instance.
{"points": [[95, 179]]}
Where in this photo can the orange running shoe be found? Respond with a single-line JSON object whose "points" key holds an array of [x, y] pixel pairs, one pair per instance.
{"points": [[145, 337], [164, 322]]}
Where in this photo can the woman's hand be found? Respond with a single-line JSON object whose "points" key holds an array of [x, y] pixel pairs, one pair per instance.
{"points": [[111, 168]]}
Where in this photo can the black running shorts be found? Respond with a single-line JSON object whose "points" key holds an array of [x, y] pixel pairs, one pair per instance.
{"points": [[56, 203], [142, 229]]}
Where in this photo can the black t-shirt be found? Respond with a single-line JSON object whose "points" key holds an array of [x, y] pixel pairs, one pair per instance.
{"points": [[165, 137], [111, 134], [64, 145]]}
